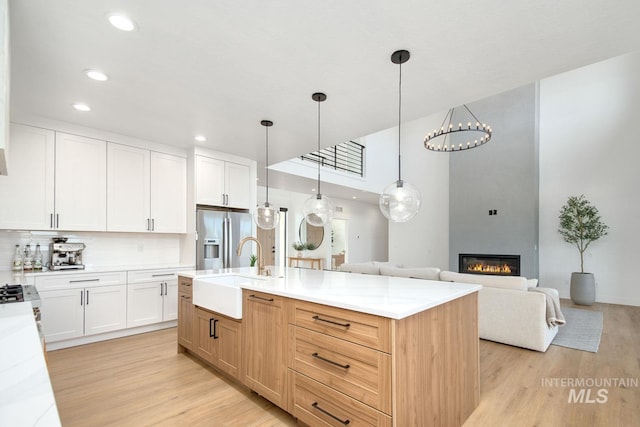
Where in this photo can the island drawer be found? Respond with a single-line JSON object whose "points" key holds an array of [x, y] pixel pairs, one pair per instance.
{"points": [[361, 328], [360, 372], [185, 286], [318, 405]]}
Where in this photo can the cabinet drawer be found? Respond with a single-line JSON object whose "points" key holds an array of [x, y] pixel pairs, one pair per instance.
{"points": [[360, 328], [185, 286], [318, 405], [360, 372], [152, 275], [80, 280]]}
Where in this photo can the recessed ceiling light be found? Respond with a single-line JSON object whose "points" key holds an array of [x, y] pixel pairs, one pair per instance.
{"points": [[96, 75], [200, 138], [354, 197], [122, 22], [81, 107], [313, 189]]}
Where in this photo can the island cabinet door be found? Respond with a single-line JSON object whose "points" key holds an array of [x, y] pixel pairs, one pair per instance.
{"points": [[229, 336], [264, 349], [206, 336], [186, 314]]}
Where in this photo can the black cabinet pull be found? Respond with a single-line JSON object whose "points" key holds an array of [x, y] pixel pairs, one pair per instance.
{"points": [[161, 289], [261, 298], [87, 296], [81, 297], [318, 318], [185, 297], [212, 334], [324, 411], [324, 359]]}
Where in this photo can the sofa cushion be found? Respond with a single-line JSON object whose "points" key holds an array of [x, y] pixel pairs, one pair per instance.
{"points": [[532, 283], [504, 282], [428, 273], [371, 267]]}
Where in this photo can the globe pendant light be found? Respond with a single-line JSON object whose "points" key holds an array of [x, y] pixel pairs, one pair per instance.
{"points": [[400, 201], [319, 209], [266, 216]]}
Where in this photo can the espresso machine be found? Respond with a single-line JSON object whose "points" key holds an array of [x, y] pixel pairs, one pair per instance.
{"points": [[65, 256]]}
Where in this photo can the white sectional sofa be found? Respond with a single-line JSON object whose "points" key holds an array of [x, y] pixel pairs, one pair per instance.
{"points": [[507, 312]]}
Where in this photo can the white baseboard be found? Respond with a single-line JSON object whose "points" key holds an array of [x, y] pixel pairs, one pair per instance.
{"points": [[57, 345]]}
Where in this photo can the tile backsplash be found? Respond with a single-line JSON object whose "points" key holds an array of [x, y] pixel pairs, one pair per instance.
{"points": [[102, 249]]}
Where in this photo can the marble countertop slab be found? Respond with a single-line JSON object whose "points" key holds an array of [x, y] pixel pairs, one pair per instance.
{"points": [[26, 396], [392, 297]]}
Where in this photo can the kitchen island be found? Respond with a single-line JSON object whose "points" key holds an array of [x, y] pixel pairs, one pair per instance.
{"points": [[336, 348]]}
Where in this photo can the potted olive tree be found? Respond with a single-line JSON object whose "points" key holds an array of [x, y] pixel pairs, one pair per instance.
{"points": [[580, 225]]}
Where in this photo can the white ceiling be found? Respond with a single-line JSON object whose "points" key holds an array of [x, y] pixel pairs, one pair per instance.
{"points": [[218, 67]]}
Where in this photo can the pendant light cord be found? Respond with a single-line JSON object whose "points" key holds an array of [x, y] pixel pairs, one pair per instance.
{"points": [[319, 157], [267, 161], [399, 122]]}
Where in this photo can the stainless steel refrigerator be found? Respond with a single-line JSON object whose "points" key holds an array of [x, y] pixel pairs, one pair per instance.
{"points": [[218, 234]]}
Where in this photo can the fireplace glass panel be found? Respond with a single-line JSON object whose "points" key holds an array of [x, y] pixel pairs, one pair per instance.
{"points": [[497, 265]]}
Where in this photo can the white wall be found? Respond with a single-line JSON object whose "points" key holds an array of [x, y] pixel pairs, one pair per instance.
{"points": [[424, 240], [366, 227], [589, 145], [376, 169]]}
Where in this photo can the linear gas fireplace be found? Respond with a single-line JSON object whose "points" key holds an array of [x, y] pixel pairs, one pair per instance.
{"points": [[497, 265]]}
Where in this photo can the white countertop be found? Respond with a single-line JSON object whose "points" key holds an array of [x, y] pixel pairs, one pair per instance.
{"points": [[26, 396], [392, 297]]}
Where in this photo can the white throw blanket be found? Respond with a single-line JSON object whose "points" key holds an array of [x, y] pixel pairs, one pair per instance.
{"points": [[554, 314]]}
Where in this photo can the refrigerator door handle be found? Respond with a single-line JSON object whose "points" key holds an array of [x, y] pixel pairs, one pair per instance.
{"points": [[226, 243]]}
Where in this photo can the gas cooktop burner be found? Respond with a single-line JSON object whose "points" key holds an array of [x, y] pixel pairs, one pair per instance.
{"points": [[11, 293]]}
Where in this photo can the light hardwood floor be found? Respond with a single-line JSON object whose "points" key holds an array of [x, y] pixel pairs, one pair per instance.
{"points": [[142, 381]]}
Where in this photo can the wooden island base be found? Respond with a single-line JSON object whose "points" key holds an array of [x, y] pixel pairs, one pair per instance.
{"points": [[329, 366]]}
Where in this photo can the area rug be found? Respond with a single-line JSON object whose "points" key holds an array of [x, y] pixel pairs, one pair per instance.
{"points": [[582, 330]]}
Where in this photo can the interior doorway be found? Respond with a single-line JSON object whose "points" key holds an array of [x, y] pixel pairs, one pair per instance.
{"points": [[339, 242]]}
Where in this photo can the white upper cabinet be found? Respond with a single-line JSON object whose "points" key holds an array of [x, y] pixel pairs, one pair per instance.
{"points": [[209, 181], [128, 188], [168, 193], [221, 183], [146, 191], [80, 183], [237, 181], [27, 192]]}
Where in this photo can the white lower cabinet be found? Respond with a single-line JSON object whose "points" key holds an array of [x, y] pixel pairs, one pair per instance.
{"points": [[75, 305], [152, 297], [82, 304], [152, 302], [73, 313]]}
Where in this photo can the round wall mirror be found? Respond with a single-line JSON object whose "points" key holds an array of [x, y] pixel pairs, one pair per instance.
{"points": [[310, 233]]}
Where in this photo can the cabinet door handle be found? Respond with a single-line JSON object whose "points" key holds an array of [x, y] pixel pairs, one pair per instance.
{"points": [[261, 298], [166, 288], [153, 224], [161, 289], [340, 365], [81, 297], [186, 297], [57, 220], [324, 411], [84, 280], [318, 318], [87, 296], [148, 224], [50, 220], [213, 334]]}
